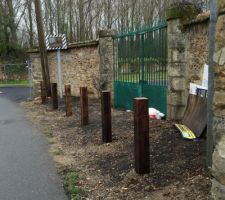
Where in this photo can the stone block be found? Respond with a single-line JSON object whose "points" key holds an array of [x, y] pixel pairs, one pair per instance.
{"points": [[218, 169], [220, 33], [219, 83], [218, 190], [176, 41], [106, 33], [176, 69], [219, 56], [219, 102], [178, 56], [222, 57], [178, 84], [174, 26], [221, 4], [170, 55], [176, 99], [218, 128]]}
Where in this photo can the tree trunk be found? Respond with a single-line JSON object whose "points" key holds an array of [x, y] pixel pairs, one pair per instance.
{"points": [[12, 24], [81, 22], [31, 34], [43, 51]]}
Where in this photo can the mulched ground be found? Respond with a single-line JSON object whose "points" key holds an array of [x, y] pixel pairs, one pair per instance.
{"points": [[106, 171]]}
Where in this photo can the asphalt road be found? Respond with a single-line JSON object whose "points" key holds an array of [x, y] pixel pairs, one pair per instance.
{"points": [[15, 94], [27, 171]]}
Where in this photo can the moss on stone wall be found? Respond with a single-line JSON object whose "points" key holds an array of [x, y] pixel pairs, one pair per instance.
{"points": [[184, 12]]}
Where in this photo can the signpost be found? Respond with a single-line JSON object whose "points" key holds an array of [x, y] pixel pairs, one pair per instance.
{"points": [[57, 42]]}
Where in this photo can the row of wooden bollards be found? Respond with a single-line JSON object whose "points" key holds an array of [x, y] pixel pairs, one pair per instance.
{"points": [[141, 121]]}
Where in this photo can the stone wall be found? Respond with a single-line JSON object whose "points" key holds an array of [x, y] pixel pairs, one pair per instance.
{"points": [[196, 52], [187, 54], [80, 67], [218, 167], [88, 64]]}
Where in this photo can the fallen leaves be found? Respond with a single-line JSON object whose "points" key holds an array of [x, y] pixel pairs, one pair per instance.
{"points": [[106, 171]]}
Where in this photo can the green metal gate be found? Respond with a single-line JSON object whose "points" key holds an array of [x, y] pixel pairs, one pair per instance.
{"points": [[140, 66]]}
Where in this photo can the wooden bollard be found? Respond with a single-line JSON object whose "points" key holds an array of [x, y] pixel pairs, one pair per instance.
{"points": [[106, 117], [43, 92], [48, 91], [141, 136], [68, 99], [84, 105], [54, 96]]}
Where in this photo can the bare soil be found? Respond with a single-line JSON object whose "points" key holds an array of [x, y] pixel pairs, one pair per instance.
{"points": [[106, 171]]}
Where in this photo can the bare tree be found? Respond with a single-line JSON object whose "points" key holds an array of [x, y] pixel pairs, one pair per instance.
{"points": [[79, 19]]}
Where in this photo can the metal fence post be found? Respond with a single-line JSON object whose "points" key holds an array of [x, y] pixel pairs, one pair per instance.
{"points": [[141, 136], [68, 99], [106, 116], [84, 105]]}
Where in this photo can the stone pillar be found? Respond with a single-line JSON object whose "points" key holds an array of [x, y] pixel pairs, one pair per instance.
{"points": [[37, 75], [218, 166], [106, 60], [176, 71], [177, 97]]}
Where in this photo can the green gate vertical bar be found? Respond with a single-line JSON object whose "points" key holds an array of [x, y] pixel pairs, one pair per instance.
{"points": [[142, 62]]}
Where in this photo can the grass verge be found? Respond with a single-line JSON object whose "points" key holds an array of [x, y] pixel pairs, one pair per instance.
{"points": [[18, 83], [70, 184]]}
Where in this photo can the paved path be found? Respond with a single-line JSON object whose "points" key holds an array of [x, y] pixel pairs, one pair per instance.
{"points": [[15, 94], [26, 170]]}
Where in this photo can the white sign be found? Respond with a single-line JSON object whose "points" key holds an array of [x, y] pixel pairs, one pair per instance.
{"points": [[55, 42], [205, 76]]}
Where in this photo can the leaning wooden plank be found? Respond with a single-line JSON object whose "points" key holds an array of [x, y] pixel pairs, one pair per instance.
{"points": [[196, 116]]}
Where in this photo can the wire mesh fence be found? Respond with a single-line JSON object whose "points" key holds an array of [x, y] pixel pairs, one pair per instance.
{"points": [[15, 74]]}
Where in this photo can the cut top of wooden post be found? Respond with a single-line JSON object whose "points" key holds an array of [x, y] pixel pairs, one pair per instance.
{"points": [[105, 91], [67, 90], [141, 109]]}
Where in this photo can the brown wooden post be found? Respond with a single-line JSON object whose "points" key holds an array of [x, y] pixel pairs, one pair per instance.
{"points": [[84, 105], [68, 99], [43, 92], [54, 96], [141, 136], [106, 117]]}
